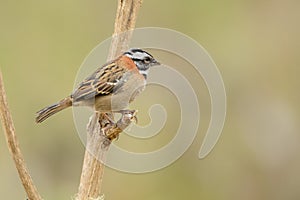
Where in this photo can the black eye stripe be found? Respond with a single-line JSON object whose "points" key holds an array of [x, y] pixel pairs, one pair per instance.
{"points": [[139, 56], [128, 53], [136, 59]]}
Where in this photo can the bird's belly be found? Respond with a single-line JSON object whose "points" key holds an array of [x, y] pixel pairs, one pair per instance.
{"points": [[120, 100]]}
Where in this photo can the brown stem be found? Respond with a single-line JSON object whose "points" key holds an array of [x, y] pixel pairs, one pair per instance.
{"points": [[100, 134], [126, 16], [97, 133], [13, 146]]}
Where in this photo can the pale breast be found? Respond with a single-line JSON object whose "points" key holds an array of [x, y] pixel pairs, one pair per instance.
{"points": [[132, 86]]}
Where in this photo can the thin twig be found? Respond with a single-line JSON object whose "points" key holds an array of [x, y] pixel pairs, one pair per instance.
{"points": [[97, 143], [13, 146]]}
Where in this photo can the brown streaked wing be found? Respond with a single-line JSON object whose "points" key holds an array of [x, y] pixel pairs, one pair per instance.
{"points": [[101, 82]]}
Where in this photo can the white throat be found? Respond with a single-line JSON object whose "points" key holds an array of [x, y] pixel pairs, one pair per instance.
{"points": [[144, 73]]}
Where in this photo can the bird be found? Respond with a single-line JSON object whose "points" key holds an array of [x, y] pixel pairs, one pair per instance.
{"points": [[111, 88]]}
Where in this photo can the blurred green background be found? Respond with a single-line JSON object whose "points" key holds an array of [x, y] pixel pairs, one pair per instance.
{"points": [[256, 47]]}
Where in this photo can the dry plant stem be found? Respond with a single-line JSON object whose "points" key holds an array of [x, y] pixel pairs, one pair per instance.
{"points": [[97, 142], [100, 134], [91, 164], [13, 146], [126, 16]]}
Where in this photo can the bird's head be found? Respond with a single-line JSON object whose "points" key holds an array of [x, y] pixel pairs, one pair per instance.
{"points": [[142, 59]]}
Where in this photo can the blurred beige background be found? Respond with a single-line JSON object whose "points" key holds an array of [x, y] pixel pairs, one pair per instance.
{"points": [[255, 45]]}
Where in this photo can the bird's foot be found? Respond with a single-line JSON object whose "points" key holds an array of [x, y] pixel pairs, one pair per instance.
{"points": [[110, 129], [129, 114]]}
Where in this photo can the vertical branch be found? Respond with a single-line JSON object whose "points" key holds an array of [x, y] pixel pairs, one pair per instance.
{"points": [[98, 129], [126, 16], [92, 169], [13, 146]]}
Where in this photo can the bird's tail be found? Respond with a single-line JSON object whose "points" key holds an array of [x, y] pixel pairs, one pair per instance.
{"points": [[51, 110]]}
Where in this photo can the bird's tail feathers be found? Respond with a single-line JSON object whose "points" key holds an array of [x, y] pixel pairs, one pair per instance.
{"points": [[51, 110]]}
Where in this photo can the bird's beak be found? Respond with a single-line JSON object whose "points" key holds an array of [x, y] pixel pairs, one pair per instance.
{"points": [[155, 62]]}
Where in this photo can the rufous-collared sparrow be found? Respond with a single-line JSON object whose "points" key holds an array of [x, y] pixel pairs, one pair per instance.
{"points": [[111, 87]]}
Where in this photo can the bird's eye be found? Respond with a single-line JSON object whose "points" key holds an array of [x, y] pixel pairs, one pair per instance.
{"points": [[147, 60]]}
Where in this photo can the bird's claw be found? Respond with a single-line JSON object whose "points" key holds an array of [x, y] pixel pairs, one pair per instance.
{"points": [[111, 129]]}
